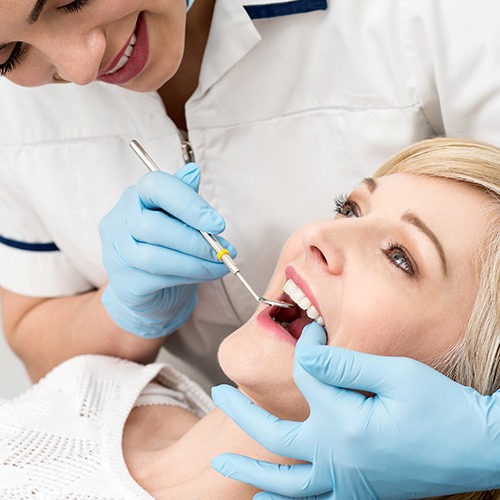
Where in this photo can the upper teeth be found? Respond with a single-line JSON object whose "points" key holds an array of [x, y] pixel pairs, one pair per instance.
{"points": [[126, 55], [299, 297]]}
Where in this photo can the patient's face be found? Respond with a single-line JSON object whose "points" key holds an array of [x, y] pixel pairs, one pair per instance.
{"points": [[392, 273]]}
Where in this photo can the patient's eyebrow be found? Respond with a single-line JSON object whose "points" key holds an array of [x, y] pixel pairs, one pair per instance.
{"points": [[35, 13], [413, 219], [370, 183]]}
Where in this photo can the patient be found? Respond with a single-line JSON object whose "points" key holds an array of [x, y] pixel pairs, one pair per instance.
{"points": [[409, 266]]}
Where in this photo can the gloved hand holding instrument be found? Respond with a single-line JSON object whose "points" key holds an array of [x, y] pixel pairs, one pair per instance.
{"points": [[155, 251], [155, 256]]}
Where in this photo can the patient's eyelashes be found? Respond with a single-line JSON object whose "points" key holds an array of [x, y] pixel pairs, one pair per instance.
{"points": [[345, 206], [400, 258]]}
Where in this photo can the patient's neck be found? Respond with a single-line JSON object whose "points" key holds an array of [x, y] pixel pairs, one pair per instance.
{"points": [[174, 461]]}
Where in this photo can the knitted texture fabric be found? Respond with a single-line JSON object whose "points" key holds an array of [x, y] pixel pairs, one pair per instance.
{"points": [[61, 439]]}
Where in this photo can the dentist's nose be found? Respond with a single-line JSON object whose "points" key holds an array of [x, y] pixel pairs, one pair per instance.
{"points": [[79, 60], [323, 248]]}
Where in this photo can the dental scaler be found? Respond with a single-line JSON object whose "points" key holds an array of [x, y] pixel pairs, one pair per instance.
{"points": [[221, 252]]}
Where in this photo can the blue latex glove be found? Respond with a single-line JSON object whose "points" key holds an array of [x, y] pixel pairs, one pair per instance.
{"points": [[153, 255], [423, 435]]}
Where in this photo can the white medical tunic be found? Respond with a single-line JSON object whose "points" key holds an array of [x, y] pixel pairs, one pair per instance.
{"points": [[296, 101]]}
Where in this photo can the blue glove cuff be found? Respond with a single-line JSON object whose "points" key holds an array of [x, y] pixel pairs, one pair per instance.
{"points": [[141, 325]]}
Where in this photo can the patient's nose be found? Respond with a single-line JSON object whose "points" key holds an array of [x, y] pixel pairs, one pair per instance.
{"points": [[323, 248]]}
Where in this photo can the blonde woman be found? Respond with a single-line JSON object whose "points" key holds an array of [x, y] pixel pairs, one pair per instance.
{"points": [[407, 267], [436, 436]]}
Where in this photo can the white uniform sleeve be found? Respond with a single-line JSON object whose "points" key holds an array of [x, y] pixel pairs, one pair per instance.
{"points": [[64, 163], [453, 53], [30, 262]]}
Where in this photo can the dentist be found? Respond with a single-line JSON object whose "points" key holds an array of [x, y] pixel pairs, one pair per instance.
{"points": [[275, 101]]}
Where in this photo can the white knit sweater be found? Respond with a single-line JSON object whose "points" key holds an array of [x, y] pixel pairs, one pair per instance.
{"points": [[62, 438]]}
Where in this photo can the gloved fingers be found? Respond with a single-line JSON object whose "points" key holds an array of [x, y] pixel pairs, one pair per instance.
{"points": [[319, 395], [169, 266], [287, 480], [159, 190], [265, 495], [278, 436], [158, 228], [348, 369], [189, 174], [313, 334]]}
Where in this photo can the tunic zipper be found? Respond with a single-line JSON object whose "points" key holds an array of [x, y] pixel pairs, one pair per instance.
{"points": [[187, 151], [188, 157]]}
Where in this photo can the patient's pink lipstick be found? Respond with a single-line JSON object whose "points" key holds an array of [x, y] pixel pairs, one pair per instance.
{"points": [[137, 60], [266, 322]]}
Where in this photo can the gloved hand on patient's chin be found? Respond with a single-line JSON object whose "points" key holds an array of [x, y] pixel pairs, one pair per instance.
{"points": [[154, 255], [423, 435]]}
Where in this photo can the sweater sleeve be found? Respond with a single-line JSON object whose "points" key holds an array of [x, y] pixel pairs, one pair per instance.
{"points": [[62, 438]]}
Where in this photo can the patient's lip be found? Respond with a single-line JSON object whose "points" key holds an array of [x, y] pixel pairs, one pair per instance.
{"points": [[265, 321]]}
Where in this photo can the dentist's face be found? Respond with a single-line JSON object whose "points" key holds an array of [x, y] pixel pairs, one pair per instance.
{"points": [[392, 274], [137, 44]]}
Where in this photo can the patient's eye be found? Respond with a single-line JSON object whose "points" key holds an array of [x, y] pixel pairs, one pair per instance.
{"points": [[400, 257], [346, 207]]}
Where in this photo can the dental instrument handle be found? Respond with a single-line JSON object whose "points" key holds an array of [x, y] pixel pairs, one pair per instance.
{"points": [[223, 255], [146, 159]]}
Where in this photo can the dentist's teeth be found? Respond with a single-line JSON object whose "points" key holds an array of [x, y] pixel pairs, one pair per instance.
{"points": [[299, 297], [120, 64], [131, 45], [126, 55]]}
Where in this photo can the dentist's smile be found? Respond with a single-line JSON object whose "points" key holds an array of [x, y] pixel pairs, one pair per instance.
{"points": [[131, 59]]}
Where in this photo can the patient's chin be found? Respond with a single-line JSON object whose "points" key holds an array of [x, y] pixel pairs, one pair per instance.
{"points": [[286, 404], [269, 384], [234, 364]]}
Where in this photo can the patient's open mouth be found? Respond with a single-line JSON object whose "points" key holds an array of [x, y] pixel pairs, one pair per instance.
{"points": [[294, 320]]}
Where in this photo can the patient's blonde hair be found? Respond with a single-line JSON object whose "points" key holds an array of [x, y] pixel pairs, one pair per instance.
{"points": [[475, 360]]}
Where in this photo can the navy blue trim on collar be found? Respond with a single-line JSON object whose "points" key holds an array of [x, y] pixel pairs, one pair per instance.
{"points": [[285, 8], [30, 247]]}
